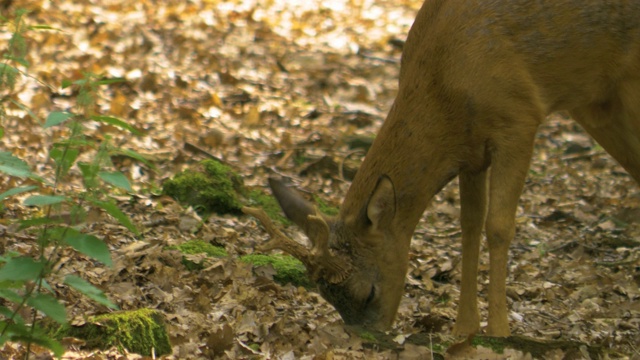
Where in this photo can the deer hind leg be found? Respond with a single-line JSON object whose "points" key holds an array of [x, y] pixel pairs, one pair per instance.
{"points": [[509, 166], [473, 198], [615, 125]]}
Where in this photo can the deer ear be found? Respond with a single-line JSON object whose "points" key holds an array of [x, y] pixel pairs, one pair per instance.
{"points": [[295, 207], [382, 204]]}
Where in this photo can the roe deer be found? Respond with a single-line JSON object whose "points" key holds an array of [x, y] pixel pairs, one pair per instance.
{"points": [[477, 78]]}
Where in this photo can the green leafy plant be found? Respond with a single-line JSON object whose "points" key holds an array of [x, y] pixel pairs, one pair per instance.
{"points": [[63, 210]]}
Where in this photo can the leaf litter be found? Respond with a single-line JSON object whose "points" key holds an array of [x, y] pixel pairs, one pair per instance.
{"points": [[275, 86]]}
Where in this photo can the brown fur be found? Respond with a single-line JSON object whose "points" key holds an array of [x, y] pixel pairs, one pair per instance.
{"points": [[477, 79]]}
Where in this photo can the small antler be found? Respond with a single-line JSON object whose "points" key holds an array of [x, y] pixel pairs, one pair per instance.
{"points": [[336, 269], [319, 261], [278, 240]]}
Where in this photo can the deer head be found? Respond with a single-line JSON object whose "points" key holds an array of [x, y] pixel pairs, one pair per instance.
{"points": [[355, 269]]}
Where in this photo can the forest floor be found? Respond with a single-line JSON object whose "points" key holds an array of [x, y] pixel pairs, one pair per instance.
{"points": [[279, 87]]}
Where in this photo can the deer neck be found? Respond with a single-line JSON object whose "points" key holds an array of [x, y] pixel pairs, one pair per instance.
{"points": [[419, 166]]}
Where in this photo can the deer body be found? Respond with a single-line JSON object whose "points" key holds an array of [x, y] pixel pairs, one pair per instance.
{"points": [[477, 79]]}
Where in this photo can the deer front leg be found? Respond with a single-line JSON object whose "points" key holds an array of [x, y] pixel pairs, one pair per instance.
{"points": [[473, 199], [509, 167]]}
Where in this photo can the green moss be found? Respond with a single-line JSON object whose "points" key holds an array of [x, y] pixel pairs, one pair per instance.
{"points": [[288, 269], [367, 336], [195, 247], [269, 204], [299, 159], [212, 187], [443, 298], [375, 339], [324, 208], [215, 168], [495, 344], [139, 331], [360, 141], [438, 348]]}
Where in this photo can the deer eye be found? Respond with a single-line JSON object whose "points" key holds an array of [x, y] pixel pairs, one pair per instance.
{"points": [[372, 295]]}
